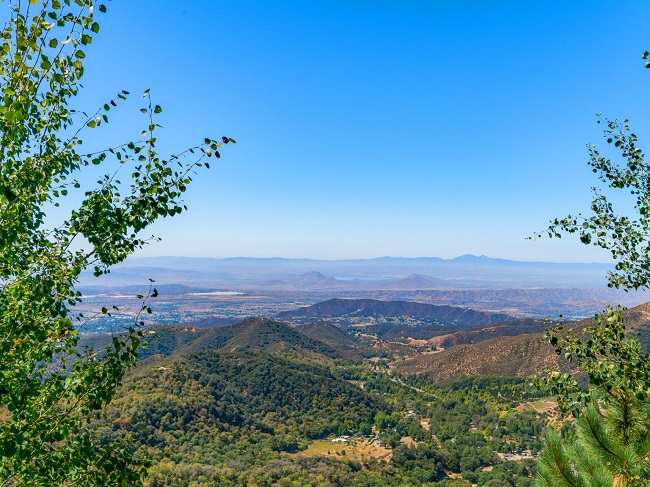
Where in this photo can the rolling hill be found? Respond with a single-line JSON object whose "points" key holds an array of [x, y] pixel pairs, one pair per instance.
{"points": [[479, 334], [350, 311], [206, 407], [520, 355], [330, 335], [320, 342], [449, 335]]}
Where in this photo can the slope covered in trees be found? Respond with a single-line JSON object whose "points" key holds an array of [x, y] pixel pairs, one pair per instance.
{"points": [[259, 402], [248, 417], [319, 342], [206, 394]]}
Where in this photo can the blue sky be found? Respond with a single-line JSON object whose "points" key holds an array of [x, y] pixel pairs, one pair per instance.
{"points": [[369, 128]]}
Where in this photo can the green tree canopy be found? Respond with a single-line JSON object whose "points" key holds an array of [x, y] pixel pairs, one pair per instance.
{"points": [[49, 387], [611, 445]]}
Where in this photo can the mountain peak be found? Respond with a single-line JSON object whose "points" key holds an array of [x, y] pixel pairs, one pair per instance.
{"points": [[312, 276], [471, 258], [315, 279]]}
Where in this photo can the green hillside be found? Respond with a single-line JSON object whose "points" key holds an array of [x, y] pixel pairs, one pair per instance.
{"points": [[332, 336], [211, 407], [261, 334], [259, 402], [250, 418]]}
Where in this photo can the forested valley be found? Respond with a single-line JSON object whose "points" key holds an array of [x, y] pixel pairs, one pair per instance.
{"points": [[282, 408]]}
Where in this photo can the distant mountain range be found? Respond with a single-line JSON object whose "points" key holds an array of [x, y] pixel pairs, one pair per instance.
{"points": [[257, 262], [385, 273]]}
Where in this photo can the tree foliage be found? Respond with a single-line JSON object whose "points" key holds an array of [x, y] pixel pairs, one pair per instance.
{"points": [[611, 445], [625, 236], [49, 386]]}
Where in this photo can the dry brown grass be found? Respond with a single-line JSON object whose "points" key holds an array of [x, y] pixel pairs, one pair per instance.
{"points": [[544, 405], [359, 449], [408, 441]]}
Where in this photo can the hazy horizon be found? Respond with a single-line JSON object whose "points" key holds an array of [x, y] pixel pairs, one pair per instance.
{"points": [[379, 257], [367, 129]]}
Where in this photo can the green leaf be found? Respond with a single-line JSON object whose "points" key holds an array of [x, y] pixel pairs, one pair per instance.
{"points": [[9, 194]]}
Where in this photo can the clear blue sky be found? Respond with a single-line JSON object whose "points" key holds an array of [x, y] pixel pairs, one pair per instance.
{"points": [[370, 128]]}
